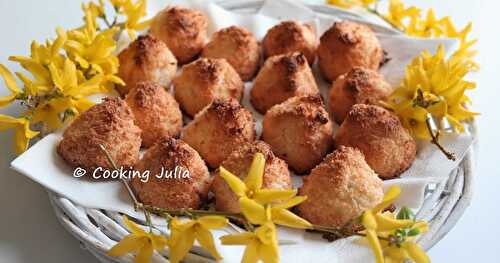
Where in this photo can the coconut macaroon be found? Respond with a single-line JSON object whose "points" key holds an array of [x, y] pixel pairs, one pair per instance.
{"points": [[299, 131], [109, 123], [289, 37], [156, 112], [388, 147], [339, 189], [358, 86], [183, 30], [204, 80], [346, 45], [239, 47], [178, 177], [218, 129], [282, 77], [276, 174], [146, 59]]}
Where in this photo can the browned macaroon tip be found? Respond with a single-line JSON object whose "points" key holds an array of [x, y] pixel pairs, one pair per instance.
{"points": [[372, 114]]}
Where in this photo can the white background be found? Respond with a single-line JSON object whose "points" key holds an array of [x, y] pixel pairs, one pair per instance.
{"points": [[29, 231]]}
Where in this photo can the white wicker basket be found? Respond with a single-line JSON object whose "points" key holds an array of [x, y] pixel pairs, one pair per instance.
{"points": [[444, 203]]}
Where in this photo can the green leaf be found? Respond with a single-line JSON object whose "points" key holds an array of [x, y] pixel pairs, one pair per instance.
{"points": [[413, 232], [405, 214]]}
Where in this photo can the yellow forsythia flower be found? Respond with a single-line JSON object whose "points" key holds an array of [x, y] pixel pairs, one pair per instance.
{"points": [[66, 80], [434, 85], [261, 244], [183, 235], [22, 131], [385, 225], [277, 213], [11, 84], [93, 49], [251, 187], [409, 20], [51, 112], [398, 14], [140, 242], [36, 64], [134, 13], [96, 9]]}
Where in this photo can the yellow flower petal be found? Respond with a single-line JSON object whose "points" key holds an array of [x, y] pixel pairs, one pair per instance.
{"points": [[9, 80], [134, 228], [251, 254], [439, 109], [180, 243], [389, 197], [82, 104], [371, 235], [266, 233], [206, 241], [28, 133], [56, 76], [421, 226], [69, 75], [21, 141], [47, 114], [253, 180], [270, 253], [59, 42], [22, 132], [385, 223], [145, 253], [286, 218], [183, 226], [395, 254], [234, 182], [4, 101], [253, 211], [8, 122], [159, 242], [115, 80], [291, 202], [213, 222], [237, 239], [368, 220], [266, 196], [128, 244], [416, 253]]}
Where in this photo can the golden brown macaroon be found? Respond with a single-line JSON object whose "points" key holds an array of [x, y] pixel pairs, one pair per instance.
{"points": [[282, 77], [110, 123], [299, 131], [339, 189], [156, 112], [204, 80], [388, 147], [218, 129], [276, 174], [183, 30], [358, 86], [173, 190], [289, 37], [146, 59], [346, 45], [239, 47]]}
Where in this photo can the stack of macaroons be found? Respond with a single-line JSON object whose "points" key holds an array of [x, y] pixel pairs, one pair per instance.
{"points": [[344, 168]]}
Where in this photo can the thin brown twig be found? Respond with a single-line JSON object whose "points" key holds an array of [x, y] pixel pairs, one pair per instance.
{"points": [[435, 140]]}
